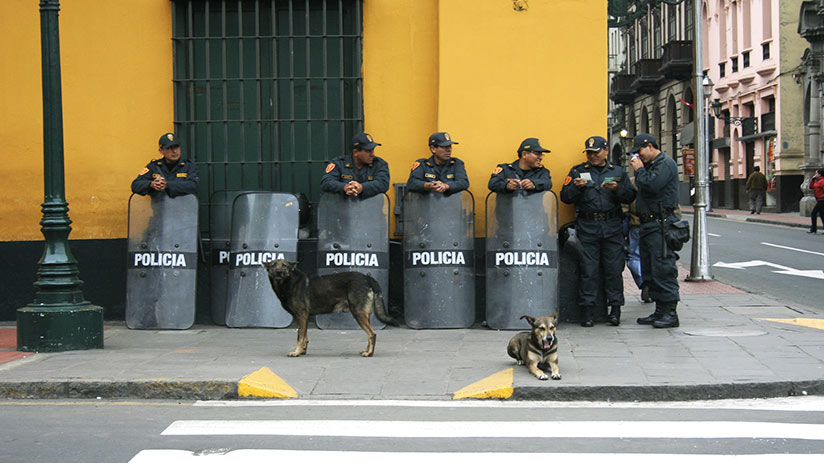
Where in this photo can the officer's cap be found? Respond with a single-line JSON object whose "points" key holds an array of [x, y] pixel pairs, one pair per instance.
{"points": [[363, 141], [532, 144], [167, 140], [595, 144], [641, 140], [441, 139]]}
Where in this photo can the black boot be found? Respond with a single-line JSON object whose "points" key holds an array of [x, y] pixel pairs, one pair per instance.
{"points": [[586, 320], [669, 319], [649, 319], [614, 317]]}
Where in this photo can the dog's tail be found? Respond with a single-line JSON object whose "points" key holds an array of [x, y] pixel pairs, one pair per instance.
{"points": [[380, 309]]}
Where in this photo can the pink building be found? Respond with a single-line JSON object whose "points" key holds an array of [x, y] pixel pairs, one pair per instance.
{"points": [[752, 52]]}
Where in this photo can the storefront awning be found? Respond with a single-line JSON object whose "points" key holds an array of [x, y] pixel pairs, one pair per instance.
{"points": [[686, 136], [755, 136]]}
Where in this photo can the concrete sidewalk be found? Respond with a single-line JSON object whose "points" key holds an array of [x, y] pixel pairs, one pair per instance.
{"points": [[788, 219], [725, 348], [731, 344]]}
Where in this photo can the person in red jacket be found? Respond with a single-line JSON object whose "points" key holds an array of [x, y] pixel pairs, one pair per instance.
{"points": [[817, 185]]}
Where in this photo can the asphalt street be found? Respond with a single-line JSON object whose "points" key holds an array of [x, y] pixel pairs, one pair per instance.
{"points": [[784, 263], [160, 431]]}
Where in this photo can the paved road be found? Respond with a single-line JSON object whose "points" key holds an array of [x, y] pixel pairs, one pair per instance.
{"points": [[736, 246], [396, 431]]}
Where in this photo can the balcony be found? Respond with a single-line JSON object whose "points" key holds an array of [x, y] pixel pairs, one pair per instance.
{"points": [[648, 76], [676, 61], [622, 90]]}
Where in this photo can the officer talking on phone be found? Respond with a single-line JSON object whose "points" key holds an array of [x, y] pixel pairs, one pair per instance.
{"points": [[597, 188], [656, 176]]}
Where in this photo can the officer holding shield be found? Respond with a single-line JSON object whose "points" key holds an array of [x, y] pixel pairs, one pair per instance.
{"points": [[656, 176], [440, 173], [597, 188], [526, 173], [169, 174], [360, 174]]}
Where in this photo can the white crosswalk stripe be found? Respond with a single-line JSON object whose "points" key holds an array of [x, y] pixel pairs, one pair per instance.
{"points": [[492, 429], [262, 455], [407, 427]]}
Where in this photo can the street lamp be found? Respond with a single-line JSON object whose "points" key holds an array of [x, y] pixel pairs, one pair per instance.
{"points": [[610, 122], [708, 84], [737, 121]]}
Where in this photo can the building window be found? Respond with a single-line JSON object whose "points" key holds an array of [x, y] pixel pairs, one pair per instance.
{"points": [[672, 17], [765, 51], [722, 69], [644, 40], [266, 92], [745, 59], [734, 64], [688, 18]]}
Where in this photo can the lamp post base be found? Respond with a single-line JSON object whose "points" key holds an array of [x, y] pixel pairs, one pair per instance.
{"points": [[59, 328]]}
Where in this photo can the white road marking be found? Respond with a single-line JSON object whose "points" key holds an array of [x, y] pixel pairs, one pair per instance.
{"points": [[712, 234], [818, 274], [500, 429], [793, 249], [808, 403], [267, 456]]}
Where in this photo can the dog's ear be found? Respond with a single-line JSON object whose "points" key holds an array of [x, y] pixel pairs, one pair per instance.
{"points": [[269, 264], [292, 265], [529, 319]]}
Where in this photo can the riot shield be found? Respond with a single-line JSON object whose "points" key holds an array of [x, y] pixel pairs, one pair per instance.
{"points": [[439, 260], [521, 257], [161, 275], [220, 232], [264, 227], [353, 236]]}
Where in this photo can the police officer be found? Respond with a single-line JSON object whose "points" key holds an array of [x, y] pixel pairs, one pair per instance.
{"points": [[441, 172], [526, 173], [598, 188], [169, 174], [359, 174], [656, 176]]}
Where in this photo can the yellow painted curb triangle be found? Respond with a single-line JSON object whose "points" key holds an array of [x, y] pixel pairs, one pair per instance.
{"points": [[816, 323], [265, 383], [497, 386]]}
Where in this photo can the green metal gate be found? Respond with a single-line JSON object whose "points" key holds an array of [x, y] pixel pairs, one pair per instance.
{"points": [[266, 91]]}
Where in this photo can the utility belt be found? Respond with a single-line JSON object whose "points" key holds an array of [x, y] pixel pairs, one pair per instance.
{"points": [[646, 218], [613, 214]]}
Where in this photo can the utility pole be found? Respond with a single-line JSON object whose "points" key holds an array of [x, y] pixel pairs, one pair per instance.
{"points": [[58, 319], [700, 264]]}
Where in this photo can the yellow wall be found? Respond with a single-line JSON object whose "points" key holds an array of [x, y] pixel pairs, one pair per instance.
{"points": [[500, 76], [117, 100], [478, 69]]}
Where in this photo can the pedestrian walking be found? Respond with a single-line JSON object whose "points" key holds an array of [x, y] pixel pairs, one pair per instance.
{"points": [[756, 188], [817, 185]]}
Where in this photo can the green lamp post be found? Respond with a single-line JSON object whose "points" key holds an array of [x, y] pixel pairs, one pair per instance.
{"points": [[58, 319]]}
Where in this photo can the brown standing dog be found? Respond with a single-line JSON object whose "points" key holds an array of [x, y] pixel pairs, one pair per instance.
{"points": [[302, 296], [537, 348]]}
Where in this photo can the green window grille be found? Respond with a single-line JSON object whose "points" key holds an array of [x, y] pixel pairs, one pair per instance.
{"points": [[266, 91]]}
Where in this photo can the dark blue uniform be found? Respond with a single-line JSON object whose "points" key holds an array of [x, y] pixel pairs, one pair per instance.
{"points": [[657, 184], [500, 176], [181, 178], [600, 229], [340, 171], [452, 173]]}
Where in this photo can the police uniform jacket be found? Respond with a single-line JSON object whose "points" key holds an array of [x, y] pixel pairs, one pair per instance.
{"points": [[453, 173], [181, 177], [594, 198], [340, 171], [657, 183], [504, 172]]}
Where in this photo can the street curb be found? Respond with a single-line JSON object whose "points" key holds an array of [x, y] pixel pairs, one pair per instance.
{"points": [[227, 390], [182, 390], [753, 219]]}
